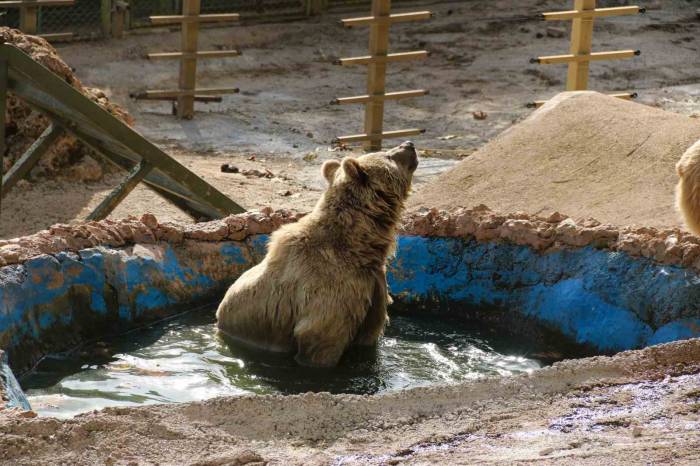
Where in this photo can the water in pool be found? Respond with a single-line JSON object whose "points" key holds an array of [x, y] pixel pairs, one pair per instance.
{"points": [[184, 359]]}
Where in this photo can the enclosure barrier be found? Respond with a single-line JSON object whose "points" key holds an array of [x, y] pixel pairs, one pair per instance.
{"points": [[73, 113], [582, 17], [377, 60], [29, 15], [184, 97]]}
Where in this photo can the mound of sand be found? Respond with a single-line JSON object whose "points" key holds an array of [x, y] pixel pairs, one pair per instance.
{"points": [[23, 125], [583, 154]]}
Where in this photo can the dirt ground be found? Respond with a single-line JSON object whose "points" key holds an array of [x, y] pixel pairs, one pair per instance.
{"points": [[616, 163], [282, 115], [639, 407]]}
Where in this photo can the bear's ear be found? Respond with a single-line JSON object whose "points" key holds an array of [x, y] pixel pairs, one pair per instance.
{"points": [[328, 170], [352, 168]]}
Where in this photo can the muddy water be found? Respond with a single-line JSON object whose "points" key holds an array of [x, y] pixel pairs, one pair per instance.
{"points": [[185, 360]]}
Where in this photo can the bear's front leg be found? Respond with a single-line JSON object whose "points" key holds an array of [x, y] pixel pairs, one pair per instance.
{"points": [[375, 321]]}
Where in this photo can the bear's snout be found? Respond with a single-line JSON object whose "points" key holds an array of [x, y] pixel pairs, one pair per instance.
{"points": [[406, 156]]}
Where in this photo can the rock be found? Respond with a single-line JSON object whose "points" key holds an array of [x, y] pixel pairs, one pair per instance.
{"points": [[636, 431], [546, 451], [228, 168], [216, 230], [149, 220]]}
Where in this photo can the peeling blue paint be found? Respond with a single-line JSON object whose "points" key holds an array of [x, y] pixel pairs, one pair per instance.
{"points": [[605, 299]]}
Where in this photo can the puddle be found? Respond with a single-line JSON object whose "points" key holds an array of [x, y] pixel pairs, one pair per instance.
{"points": [[184, 359]]}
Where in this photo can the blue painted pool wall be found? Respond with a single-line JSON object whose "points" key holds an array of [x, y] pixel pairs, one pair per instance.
{"points": [[604, 299], [607, 300]]}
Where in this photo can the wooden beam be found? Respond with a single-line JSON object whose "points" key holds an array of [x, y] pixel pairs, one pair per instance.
{"points": [[197, 55], [595, 56], [174, 193], [119, 18], [596, 13], [28, 19], [106, 17], [188, 63], [42, 89], [31, 156], [188, 18], [581, 40], [391, 19], [361, 99], [376, 73], [108, 204], [378, 137], [382, 59]]}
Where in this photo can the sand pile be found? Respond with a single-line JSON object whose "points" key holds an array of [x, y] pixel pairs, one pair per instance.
{"points": [[584, 154], [23, 125]]}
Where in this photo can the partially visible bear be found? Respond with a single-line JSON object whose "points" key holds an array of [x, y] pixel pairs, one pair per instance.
{"points": [[688, 189], [322, 285]]}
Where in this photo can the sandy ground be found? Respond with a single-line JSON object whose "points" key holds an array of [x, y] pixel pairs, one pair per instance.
{"points": [[583, 153], [639, 407], [479, 63]]}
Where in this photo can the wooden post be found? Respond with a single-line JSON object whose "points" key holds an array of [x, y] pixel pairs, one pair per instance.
{"points": [[106, 17], [187, 93], [29, 18], [108, 204], [120, 9], [376, 74], [581, 42], [3, 110], [26, 162], [188, 63]]}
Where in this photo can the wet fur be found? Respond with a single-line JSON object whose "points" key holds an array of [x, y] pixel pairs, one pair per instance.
{"points": [[688, 188], [322, 285]]}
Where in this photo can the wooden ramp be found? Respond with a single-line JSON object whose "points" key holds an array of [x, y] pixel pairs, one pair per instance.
{"points": [[72, 112]]}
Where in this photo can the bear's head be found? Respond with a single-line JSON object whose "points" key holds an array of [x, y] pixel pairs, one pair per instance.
{"points": [[375, 184]]}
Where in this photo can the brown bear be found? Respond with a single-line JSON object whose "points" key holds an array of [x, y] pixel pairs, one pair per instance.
{"points": [[322, 285], [688, 189]]}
